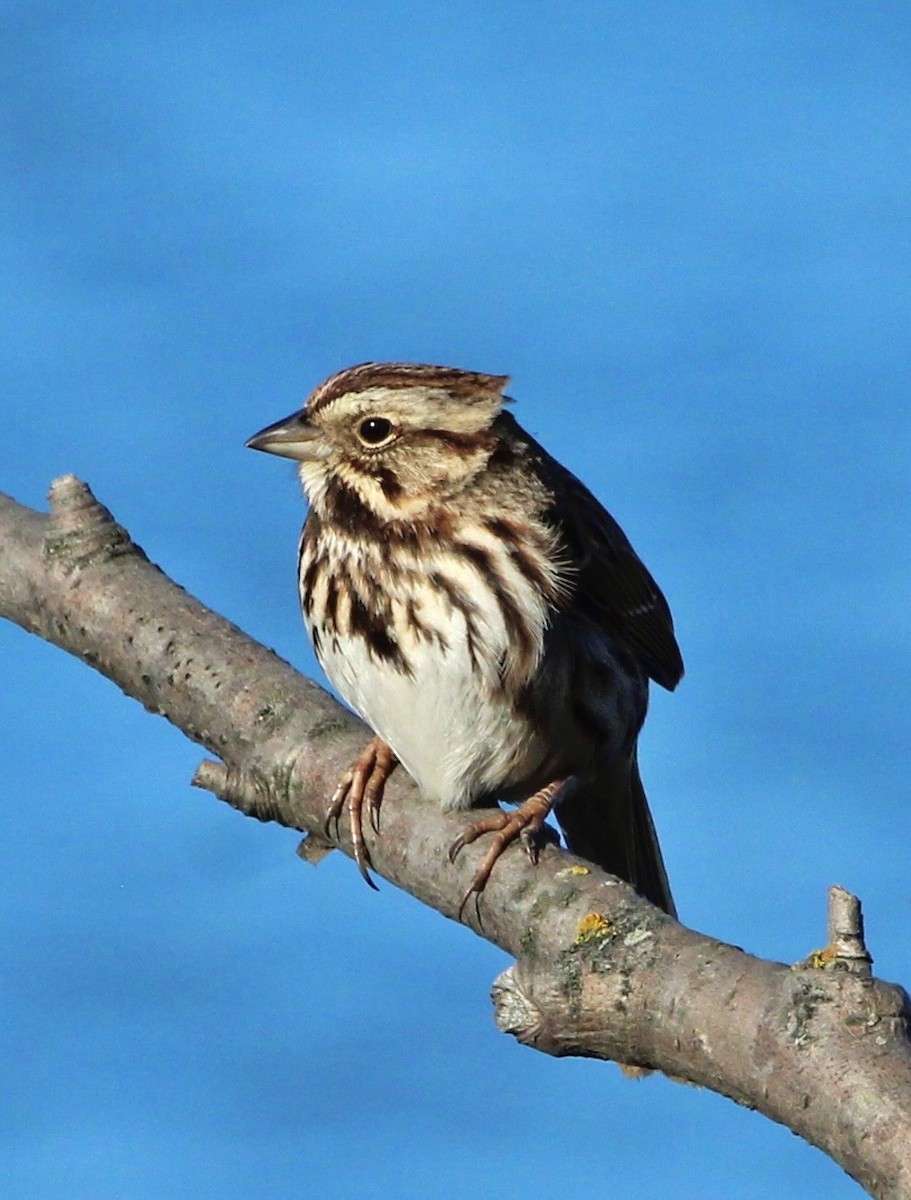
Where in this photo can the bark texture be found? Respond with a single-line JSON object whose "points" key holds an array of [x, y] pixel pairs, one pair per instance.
{"points": [[822, 1047]]}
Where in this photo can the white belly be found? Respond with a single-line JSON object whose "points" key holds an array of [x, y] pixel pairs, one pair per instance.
{"points": [[451, 724]]}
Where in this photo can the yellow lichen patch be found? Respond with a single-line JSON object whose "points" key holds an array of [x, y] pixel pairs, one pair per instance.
{"points": [[592, 928], [577, 870], [819, 960]]}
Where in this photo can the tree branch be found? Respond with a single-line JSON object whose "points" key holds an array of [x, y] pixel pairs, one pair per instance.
{"points": [[822, 1047]]}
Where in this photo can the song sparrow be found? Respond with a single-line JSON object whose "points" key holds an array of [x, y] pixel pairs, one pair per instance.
{"points": [[476, 605]]}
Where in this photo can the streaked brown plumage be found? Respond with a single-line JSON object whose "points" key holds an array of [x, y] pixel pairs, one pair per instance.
{"points": [[477, 606]]}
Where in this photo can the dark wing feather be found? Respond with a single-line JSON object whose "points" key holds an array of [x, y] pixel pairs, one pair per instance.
{"points": [[611, 583]]}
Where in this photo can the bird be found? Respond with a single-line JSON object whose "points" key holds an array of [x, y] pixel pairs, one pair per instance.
{"points": [[482, 612]]}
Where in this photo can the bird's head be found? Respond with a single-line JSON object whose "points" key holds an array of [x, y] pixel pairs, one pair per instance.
{"points": [[402, 437]]}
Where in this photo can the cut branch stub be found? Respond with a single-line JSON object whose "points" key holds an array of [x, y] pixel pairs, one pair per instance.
{"points": [[846, 932], [80, 528]]}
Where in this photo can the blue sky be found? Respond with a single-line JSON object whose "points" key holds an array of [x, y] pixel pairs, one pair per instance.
{"points": [[685, 234]]}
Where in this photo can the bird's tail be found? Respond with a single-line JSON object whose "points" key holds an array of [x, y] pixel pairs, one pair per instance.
{"points": [[607, 821]]}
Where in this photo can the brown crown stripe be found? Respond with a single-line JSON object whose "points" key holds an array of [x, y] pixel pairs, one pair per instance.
{"points": [[460, 385]]}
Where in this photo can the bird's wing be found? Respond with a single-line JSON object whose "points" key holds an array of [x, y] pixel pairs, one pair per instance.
{"points": [[610, 582]]}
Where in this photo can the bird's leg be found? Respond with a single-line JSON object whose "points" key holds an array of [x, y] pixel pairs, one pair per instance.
{"points": [[361, 787], [524, 823]]}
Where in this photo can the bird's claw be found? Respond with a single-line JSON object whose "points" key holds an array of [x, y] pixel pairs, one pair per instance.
{"points": [[525, 824], [360, 787]]}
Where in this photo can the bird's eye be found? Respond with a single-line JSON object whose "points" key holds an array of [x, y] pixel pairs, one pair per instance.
{"points": [[374, 430]]}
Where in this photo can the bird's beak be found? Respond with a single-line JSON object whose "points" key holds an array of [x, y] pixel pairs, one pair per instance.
{"points": [[292, 437]]}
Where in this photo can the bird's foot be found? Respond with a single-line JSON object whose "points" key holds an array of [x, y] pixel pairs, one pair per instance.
{"points": [[525, 824], [361, 787]]}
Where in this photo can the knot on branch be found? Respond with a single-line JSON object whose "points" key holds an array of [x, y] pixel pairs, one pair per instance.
{"points": [[80, 529], [514, 1011], [254, 796], [243, 789]]}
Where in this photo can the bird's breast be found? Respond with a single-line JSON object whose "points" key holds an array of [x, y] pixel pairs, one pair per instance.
{"points": [[434, 660]]}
